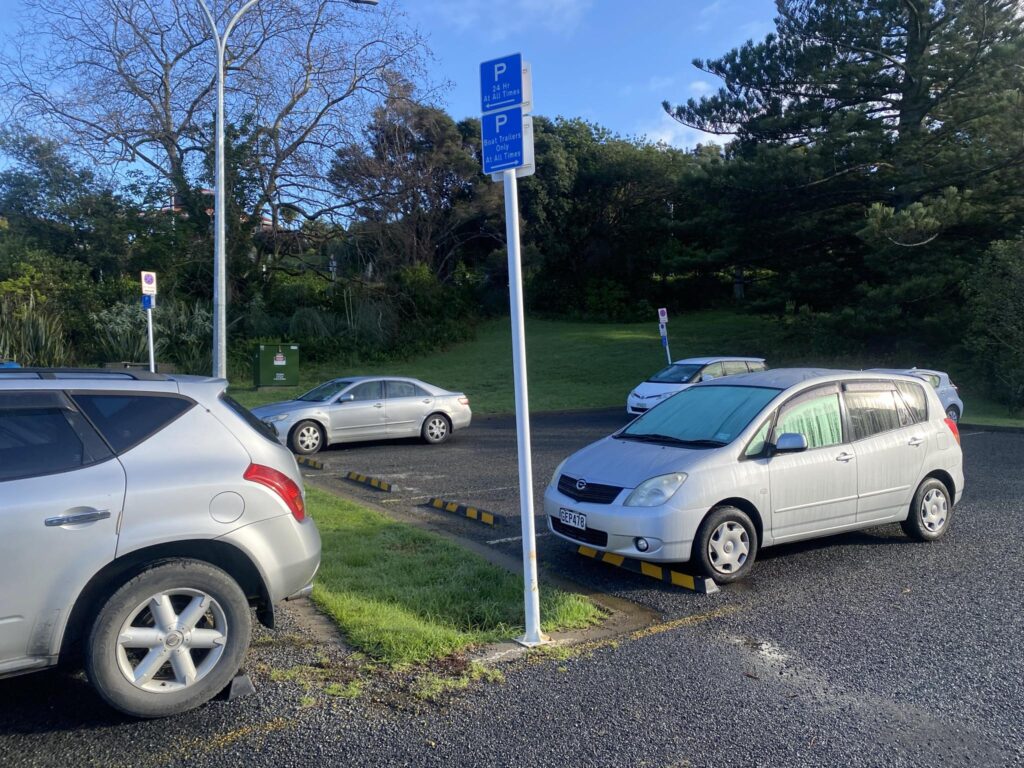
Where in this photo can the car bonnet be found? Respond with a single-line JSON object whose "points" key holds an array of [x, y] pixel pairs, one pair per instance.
{"points": [[627, 463]]}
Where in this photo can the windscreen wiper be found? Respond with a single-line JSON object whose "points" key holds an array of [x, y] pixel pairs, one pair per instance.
{"points": [[657, 438]]}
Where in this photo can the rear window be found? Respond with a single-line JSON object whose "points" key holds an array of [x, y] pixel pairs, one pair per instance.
{"points": [[125, 420], [260, 427], [915, 398], [872, 413], [38, 442]]}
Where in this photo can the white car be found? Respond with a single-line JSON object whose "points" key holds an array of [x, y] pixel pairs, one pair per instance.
{"points": [[683, 374], [948, 392]]}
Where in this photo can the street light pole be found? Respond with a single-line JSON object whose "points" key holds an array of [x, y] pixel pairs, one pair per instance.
{"points": [[220, 329]]}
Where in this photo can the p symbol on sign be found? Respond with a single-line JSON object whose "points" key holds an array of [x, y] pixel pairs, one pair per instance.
{"points": [[499, 70], [499, 121]]}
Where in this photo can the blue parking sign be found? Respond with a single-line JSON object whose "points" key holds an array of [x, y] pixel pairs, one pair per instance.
{"points": [[501, 83], [502, 140]]}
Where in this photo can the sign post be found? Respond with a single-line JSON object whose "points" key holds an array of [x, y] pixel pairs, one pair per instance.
{"points": [[148, 302], [663, 330], [507, 153]]}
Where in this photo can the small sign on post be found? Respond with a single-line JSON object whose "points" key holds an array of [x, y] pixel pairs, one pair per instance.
{"points": [[148, 302], [663, 330]]}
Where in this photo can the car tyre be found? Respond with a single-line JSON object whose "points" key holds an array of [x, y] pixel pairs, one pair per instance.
{"points": [[930, 511], [180, 629], [307, 437], [953, 413], [726, 544], [436, 429]]}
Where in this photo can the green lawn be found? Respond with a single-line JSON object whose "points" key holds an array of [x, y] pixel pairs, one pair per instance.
{"points": [[574, 365], [570, 365], [404, 595]]}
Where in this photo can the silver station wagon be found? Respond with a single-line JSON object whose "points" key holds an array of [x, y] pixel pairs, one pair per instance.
{"points": [[731, 465]]}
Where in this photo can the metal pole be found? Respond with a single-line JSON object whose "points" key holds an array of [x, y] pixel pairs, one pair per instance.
{"points": [[667, 353], [152, 359], [220, 315], [531, 589]]}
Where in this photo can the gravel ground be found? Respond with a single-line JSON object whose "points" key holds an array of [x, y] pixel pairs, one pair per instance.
{"points": [[863, 649]]}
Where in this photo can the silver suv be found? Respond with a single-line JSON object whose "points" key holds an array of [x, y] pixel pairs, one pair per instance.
{"points": [[141, 516], [748, 461]]}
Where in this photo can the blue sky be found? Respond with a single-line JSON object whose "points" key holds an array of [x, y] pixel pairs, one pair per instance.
{"points": [[609, 61]]}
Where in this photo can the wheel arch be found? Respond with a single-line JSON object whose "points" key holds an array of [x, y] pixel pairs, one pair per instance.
{"points": [[746, 506], [111, 577], [316, 420], [946, 479]]}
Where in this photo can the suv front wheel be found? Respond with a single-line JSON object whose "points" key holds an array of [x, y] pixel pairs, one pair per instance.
{"points": [[168, 640]]}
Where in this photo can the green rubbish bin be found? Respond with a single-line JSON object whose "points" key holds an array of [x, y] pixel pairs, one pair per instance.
{"points": [[276, 365]]}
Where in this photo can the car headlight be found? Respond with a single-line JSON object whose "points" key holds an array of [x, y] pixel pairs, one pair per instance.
{"points": [[656, 491], [558, 471], [278, 417]]}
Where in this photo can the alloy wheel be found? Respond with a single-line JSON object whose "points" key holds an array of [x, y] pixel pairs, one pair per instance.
{"points": [[172, 640], [308, 438], [437, 429]]}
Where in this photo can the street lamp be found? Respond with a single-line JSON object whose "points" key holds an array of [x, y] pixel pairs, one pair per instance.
{"points": [[220, 348]]}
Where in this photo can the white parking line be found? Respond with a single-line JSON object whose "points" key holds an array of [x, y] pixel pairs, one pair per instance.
{"points": [[515, 538]]}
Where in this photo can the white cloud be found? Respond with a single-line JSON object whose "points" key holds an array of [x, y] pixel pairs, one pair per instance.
{"points": [[660, 83], [711, 9], [700, 87], [557, 16], [666, 130]]}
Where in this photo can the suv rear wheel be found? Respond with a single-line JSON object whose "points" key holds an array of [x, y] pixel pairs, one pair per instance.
{"points": [[168, 640]]}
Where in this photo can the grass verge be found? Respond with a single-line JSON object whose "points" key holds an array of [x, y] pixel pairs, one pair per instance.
{"points": [[403, 595]]}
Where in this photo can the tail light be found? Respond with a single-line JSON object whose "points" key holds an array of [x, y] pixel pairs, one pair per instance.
{"points": [[463, 400], [954, 429], [280, 484]]}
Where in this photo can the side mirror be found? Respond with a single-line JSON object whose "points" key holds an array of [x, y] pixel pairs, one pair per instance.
{"points": [[346, 398], [790, 442]]}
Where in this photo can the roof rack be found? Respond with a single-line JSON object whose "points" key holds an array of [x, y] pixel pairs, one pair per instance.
{"points": [[71, 373]]}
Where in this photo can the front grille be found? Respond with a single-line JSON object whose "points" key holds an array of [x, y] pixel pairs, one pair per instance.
{"points": [[640, 408], [589, 536], [594, 493]]}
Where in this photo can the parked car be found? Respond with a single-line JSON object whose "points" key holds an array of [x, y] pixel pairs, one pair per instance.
{"points": [[732, 465], [948, 392], [141, 516], [366, 408], [685, 373]]}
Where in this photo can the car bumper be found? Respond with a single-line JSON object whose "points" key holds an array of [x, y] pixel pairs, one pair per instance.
{"points": [[286, 552], [615, 528]]}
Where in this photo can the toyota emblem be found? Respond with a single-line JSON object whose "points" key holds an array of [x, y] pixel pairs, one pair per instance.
{"points": [[581, 484]]}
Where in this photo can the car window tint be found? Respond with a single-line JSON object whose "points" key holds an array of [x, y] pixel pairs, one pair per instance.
{"points": [[258, 426], [38, 442], [402, 389], [734, 367], [713, 371], [915, 398], [756, 445], [819, 419], [872, 413], [368, 390], [756, 366], [933, 380], [126, 420]]}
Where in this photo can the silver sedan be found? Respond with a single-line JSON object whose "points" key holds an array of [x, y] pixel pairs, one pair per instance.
{"points": [[366, 408]]}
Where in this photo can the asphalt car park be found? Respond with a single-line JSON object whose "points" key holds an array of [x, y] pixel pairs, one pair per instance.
{"points": [[860, 649]]}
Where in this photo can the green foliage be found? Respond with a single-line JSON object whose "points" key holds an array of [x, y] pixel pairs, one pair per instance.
{"points": [[31, 335], [996, 310]]}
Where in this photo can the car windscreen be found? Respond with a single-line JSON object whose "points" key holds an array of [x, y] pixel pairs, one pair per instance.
{"points": [[702, 416], [325, 391], [675, 373]]}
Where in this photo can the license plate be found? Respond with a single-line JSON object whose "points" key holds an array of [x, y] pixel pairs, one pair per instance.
{"points": [[574, 519]]}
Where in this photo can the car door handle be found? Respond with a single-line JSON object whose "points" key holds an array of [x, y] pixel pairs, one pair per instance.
{"points": [[427, 400], [915, 441], [378, 405], [76, 518], [845, 457]]}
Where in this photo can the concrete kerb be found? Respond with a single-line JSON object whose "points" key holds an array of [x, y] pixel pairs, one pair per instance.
{"points": [[372, 482], [697, 584], [472, 513], [963, 425], [306, 461]]}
